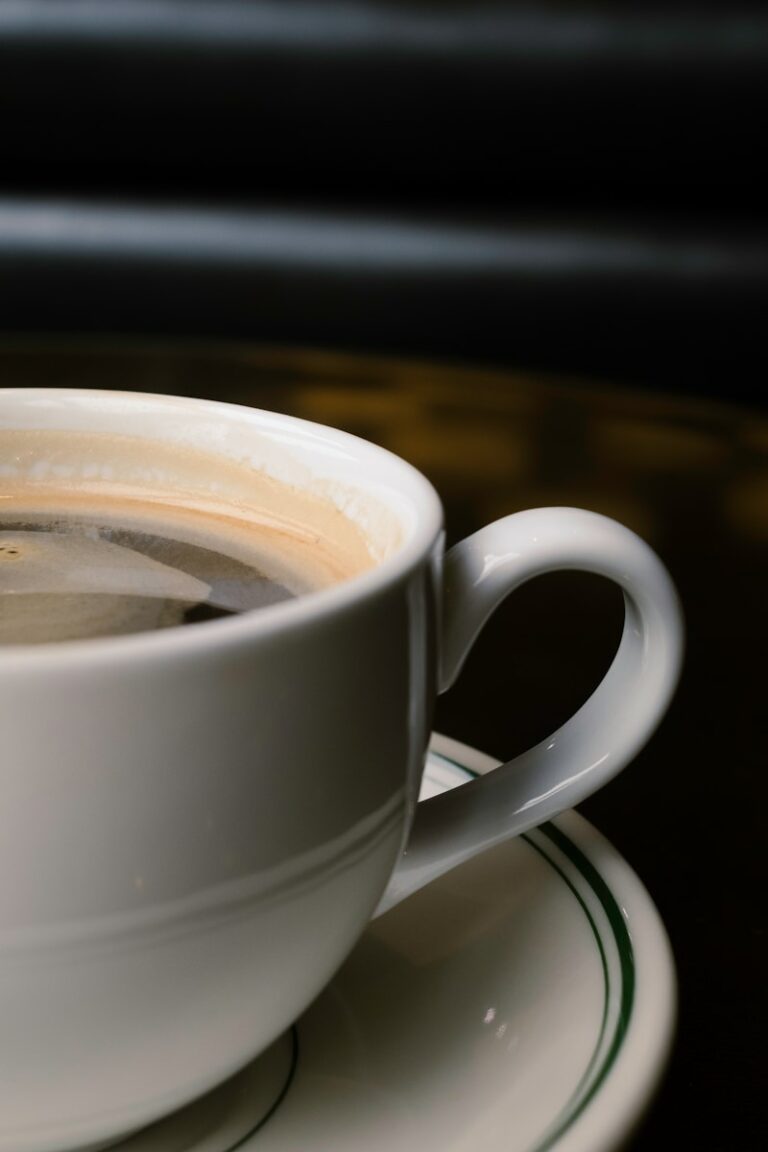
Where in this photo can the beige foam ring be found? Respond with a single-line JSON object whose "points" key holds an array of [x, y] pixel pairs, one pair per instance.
{"points": [[57, 586]]}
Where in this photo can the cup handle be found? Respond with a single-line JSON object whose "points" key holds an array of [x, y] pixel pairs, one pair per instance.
{"points": [[599, 739]]}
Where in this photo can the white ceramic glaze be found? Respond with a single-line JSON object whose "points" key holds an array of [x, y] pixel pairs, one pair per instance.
{"points": [[524, 1002], [197, 823], [606, 732]]}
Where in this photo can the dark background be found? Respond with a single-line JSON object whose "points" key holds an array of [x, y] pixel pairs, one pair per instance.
{"points": [[562, 186], [570, 194]]}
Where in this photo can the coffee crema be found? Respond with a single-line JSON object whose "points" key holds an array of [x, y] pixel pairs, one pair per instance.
{"points": [[83, 559]]}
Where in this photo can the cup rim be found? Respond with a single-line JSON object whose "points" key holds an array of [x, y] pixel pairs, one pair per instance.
{"points": [[246, 626]]}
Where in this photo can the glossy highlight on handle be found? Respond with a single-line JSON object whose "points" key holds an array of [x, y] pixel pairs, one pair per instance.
{"points": [[602, 736]]}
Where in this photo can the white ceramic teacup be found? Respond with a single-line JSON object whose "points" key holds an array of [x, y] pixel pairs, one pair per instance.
{"points": [[197, 823]]}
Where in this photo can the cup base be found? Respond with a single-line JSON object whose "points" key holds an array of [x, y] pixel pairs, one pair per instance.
{"points": [[225, 1117]]}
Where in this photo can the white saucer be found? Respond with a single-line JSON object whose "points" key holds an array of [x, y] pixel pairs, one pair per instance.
{"points": [[523, 1002]]}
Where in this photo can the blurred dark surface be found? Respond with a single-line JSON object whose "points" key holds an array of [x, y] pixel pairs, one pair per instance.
{"points": [[653, 103], [570, 187], [692, 478], [679, 309]]}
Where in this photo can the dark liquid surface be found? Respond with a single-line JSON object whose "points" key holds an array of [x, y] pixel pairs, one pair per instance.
{"points": [[68, 577]]}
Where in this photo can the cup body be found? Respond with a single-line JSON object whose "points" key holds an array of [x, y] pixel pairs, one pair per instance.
{"points": [[197, 823]]}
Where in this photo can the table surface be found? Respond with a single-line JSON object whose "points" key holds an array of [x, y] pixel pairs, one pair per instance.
{"points": [[692, 478]]}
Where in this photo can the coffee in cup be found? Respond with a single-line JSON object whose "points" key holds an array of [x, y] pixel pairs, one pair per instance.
{"points": [[198, 822], [80, 560]]}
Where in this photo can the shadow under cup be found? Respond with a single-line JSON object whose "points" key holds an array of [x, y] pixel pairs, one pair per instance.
{"points": [[198, 822]]}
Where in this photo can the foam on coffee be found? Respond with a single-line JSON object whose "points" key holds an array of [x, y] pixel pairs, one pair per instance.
{"points": [[101, 536]]}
